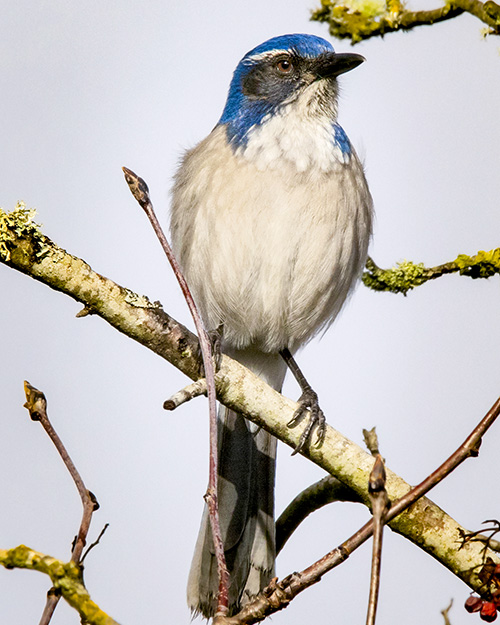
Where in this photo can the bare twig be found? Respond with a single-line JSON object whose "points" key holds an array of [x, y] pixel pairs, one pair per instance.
{"points": [[446, 612], [478, 536], [371, 441], [95, 543], [380, 506], [53, 597], [195, 389], [279, 594], [140, 191], [37, 407]]}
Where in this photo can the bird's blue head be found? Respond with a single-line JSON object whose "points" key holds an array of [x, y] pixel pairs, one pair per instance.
{"points": [[275, 74]]}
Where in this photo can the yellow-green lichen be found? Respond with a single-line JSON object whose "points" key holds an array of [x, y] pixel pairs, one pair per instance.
{"points": [[407, 275], [354, 19], [482, 265], [20, 234], [399, 279], [361, 19], [65, 576]]}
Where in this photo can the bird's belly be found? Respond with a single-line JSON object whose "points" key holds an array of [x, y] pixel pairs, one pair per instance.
{"points": [[269, 253], [279, 264]]}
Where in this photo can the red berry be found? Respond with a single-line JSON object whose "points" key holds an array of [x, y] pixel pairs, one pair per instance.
{"points": [[495, 597], [473, 603], [488, 612]]}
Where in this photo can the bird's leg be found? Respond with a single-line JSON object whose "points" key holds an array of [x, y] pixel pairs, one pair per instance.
{"points": [[307, 401], [215, 338]]}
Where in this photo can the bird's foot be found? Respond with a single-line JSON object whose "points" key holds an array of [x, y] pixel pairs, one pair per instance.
{"points": [[309, 401], [215, 338]]}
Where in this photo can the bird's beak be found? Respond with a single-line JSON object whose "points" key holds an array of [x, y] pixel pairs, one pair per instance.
{"points": [[331, 64]]}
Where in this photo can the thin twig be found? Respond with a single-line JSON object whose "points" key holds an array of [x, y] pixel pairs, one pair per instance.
{"points": [[140, 191], [95, 543], [380, 506], [371, 441], [446, 612], [50, 606], [478, 536], [36, 404], [279, 594]]}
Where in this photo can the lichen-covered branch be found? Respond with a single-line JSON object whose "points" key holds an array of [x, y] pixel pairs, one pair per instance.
{"points": [[66, 578], [25, 248], [407, 275], [361, 19]]}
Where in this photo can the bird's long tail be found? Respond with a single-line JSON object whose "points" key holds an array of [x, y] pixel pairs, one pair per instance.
{"points": [[247, 460]]}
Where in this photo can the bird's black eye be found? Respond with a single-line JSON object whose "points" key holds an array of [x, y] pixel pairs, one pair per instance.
{"points": [[284, 66]]}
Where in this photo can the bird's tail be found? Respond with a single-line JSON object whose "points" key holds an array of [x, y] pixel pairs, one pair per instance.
{"points": [[247, 460]]}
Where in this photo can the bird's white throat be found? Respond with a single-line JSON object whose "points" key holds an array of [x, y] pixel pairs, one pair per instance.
{"points": [[299, 135]]}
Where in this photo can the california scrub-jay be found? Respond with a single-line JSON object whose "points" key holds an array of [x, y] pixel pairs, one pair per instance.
{"points": [[271, 220]]}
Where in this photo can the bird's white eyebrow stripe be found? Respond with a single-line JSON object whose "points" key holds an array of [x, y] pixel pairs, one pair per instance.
{"points": [[268, 54]]}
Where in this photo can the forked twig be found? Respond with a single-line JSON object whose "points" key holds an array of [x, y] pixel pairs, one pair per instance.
{"points": [[36, 404], [479, 536], [140, 191]]}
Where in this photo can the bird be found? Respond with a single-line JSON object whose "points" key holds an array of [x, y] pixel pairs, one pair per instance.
{"points": [[271, 218]]}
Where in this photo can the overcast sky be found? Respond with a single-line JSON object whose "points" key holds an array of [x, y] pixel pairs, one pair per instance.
{"points": [[86, 88]]}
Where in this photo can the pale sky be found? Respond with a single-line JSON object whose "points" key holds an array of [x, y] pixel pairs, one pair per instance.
{"points": [[87, 88]]}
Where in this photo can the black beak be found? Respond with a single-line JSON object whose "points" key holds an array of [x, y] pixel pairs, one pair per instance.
{"points": [[331, 64]]}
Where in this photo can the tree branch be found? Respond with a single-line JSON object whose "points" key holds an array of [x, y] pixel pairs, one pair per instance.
{"points": [[362, 19], [24, 247], [279, 594]]}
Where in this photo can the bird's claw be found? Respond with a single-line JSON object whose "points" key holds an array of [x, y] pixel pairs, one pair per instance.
{"points": [[309, 401]]}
